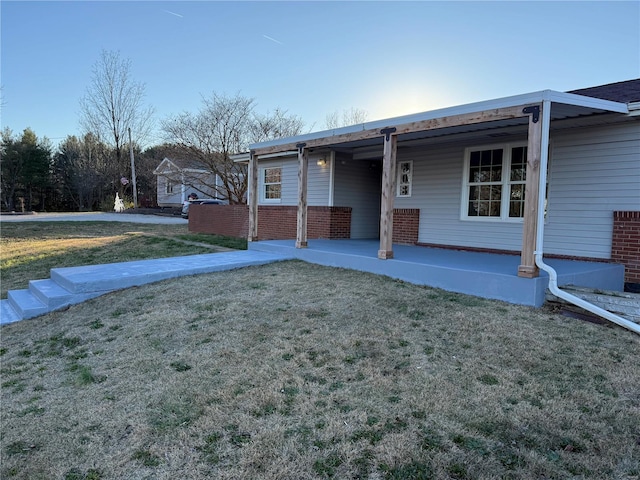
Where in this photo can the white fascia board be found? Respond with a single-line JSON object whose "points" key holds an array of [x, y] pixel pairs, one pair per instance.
{"points": [[584, 101], [505, 102]]}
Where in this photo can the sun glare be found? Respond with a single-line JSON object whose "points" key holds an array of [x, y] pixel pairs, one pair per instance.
{"points": [[407, 98]]}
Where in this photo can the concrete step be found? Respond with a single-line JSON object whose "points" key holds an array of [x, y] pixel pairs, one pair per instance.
{"points": [[68, 286], [56, 297], [7, 313], [26, 304], [624, 304]]}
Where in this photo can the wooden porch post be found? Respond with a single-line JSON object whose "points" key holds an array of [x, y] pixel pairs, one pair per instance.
{"points": [[388, 193], [253, 198], [303, 164], [528, 267]]}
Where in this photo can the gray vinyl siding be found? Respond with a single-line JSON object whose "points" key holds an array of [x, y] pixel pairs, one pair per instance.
{"points": [[289, 181], [318, 181], [289, 178], [437, 192], [594, 172], [357, 185]]}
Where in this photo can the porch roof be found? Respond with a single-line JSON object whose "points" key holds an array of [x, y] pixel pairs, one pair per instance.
{"points": [[412, 127]]}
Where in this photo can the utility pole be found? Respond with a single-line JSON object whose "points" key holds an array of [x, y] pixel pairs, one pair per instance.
{"points": [[133, 173]]}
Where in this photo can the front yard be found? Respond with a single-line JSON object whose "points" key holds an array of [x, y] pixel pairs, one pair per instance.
{"points": [[294, 371]]}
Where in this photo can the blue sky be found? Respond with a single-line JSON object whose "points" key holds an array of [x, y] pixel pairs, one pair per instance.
{"points": [[309, 58]]}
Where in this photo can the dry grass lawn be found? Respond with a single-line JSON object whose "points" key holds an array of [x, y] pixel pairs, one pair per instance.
{"points": [[295, 371]]}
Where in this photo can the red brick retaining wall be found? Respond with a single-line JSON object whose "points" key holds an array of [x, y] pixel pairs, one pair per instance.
{"points": [[229, 220], [625, 246], [405, 225]]}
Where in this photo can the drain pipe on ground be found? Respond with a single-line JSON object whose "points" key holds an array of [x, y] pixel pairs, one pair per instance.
{"points": [[553, 276]]}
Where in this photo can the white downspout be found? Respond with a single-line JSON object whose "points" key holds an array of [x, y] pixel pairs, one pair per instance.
{"points": [[553, 276]]}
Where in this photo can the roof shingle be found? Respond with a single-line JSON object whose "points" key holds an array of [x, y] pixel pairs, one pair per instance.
{"points": [[624, 92]]}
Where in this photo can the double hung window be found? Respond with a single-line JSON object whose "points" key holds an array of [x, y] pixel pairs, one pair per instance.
{"points": [[494, 182], [271, 184]]}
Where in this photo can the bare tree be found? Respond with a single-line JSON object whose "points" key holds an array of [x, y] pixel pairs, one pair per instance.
{"points": [[224, 126], [353, 116], [112, 104], [274, 125]]}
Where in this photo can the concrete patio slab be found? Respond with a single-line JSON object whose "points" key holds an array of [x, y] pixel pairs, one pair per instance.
{"points": [[488, 275]]}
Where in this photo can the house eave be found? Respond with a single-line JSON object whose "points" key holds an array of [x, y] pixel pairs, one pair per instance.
{"points": [[605, 106], [569, 105]]}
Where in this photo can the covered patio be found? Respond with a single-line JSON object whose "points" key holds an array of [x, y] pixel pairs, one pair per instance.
{"points": [[488, 275], [530, 115]]}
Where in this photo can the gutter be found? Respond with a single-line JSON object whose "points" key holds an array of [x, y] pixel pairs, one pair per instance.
{"points": [[553, 276]]}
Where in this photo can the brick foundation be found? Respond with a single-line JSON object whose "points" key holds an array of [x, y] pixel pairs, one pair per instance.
{"points": [[275, 222], [405, 225], [329, 222], [625, 246]]}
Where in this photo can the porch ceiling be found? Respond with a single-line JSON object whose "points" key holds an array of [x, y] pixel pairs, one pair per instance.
{"points": [[564, 106]]}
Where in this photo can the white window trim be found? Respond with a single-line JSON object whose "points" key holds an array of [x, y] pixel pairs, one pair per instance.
{"points": [[168, 186], [504, 182], [261, 185], [399, 176]]}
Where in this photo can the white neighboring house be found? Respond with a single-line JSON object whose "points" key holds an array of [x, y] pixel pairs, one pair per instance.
{"points": [[178, 178]]}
